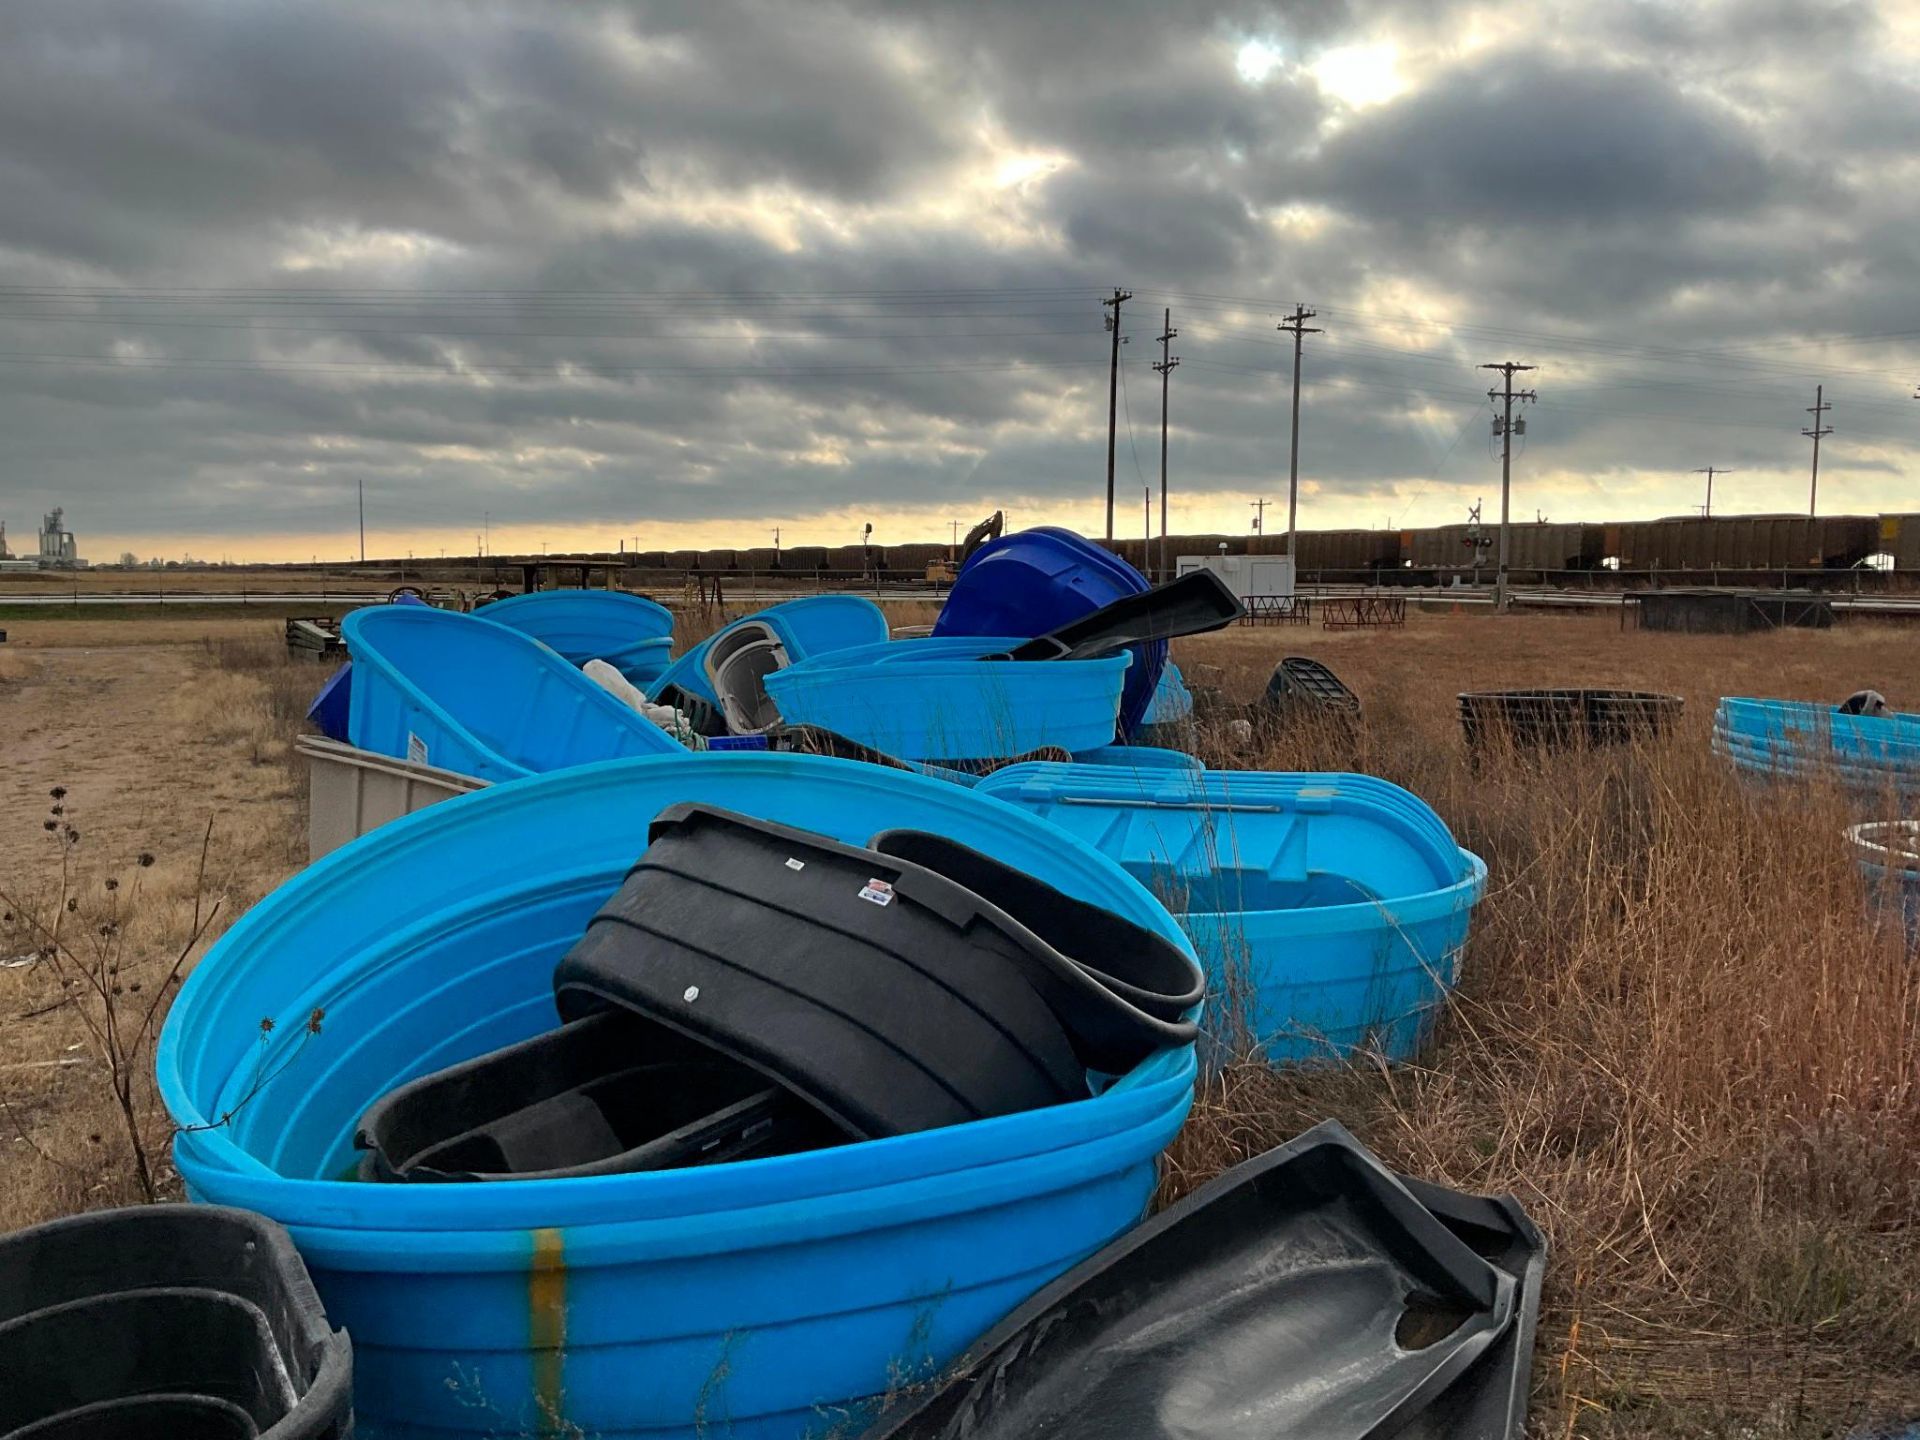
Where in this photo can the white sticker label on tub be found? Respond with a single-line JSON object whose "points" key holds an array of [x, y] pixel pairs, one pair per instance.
{"points": [[877, 892], [793, 864], [416, 749]]}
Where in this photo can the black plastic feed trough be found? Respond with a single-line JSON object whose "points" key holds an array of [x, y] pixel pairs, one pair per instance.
{"points": [[1564, 719], [1299, 683], [164, 1322]]}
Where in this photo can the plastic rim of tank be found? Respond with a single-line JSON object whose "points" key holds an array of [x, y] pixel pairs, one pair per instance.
{"points": [[936, 700], [1033, 581], [431, 887], [1136, 757], [810, 626], [481, 699], [1044, 782]]}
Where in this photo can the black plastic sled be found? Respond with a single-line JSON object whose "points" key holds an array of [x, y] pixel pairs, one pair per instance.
{"points": [[1307, 1292]]}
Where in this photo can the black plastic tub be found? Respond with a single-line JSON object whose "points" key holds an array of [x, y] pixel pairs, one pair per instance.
{"points": [[610, 1094], [1301, 684], [888, 997], [1306, 1292], [1121, 991], [1564, 719], [166, 1322]]}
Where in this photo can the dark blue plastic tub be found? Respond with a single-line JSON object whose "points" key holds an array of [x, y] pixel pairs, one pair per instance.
{"points": [[1332, 913], [629, 632], [815, 625], [758, 1299], [1035, 581], [466, 695]]}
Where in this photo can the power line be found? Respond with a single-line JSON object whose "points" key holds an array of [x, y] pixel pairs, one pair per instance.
{"points": [[1120, 297], [1297, 324], [1710, 471], [1814, 432], [1165, 366], [1503, 427]]}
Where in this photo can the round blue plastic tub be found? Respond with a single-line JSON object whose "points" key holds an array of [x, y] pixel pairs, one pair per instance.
{"points": [[755, 1299], [937, 700], [477, 698], [1820, 730], [629, 632], [1330, 916], [1888, 853], [1035, 581], [811, 626]]}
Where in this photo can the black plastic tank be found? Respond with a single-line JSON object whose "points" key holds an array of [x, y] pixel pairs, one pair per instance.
{"points": [[1121, 991], [166, 1322], [609, 1094], [887, 996]]}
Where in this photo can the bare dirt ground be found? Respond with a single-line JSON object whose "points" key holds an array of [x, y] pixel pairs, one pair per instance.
{"points": [[1681, 1039]]}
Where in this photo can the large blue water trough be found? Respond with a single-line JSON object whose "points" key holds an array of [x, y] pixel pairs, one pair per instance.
{"points": [[938, 700], [1801, 739], [1330, 910], [762, 1299], [466, 695], [630, 632]]}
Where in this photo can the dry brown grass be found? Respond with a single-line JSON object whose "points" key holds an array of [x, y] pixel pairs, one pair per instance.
{"points": [[1680, 1040], [149, 748]]}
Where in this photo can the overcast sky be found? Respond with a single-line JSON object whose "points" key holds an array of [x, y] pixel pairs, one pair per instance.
{"points": [[681, 273]]}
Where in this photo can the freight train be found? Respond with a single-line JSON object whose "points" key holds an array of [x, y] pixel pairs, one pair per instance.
{"points": [[1730, 549]]}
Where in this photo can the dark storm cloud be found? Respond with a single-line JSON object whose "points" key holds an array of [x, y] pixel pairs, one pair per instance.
{"points": [[1523, 140], [603, 258]]}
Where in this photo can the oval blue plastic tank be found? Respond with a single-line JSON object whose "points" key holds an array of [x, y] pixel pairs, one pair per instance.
{"points": [[936, 700], [1801, 739], [813, 625], [477, 698], [1034, 581], [1336, 905], [760, 1299], [630, 632]]}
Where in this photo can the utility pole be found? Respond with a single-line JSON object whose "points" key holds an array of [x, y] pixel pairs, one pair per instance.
{"points": [[363, 522], [1503, 427], [1147, 544], [1297, 323], [1120, 297], [1710, 471], [1259, 515], [1165, 367], [1814, 432]]}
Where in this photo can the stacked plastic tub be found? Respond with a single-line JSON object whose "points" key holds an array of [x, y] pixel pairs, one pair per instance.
{"points": [[463, 694], [1330, 910], [1871, 754], [629, 632], [757, 1298]]}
